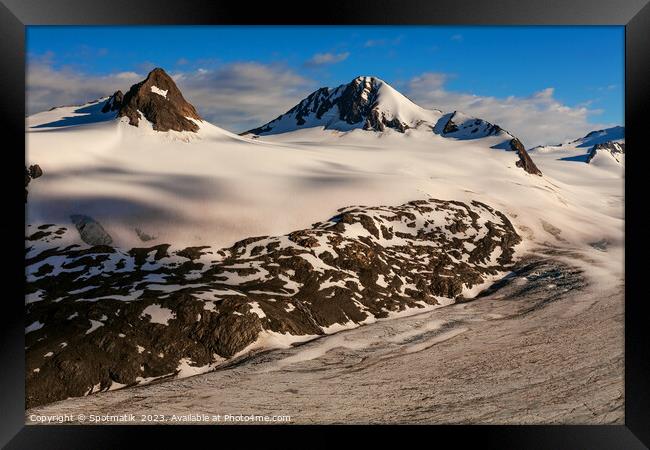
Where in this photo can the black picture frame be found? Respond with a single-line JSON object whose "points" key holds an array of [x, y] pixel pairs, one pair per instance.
{"points": [[633, 14]]}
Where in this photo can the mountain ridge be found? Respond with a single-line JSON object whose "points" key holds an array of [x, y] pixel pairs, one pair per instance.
{"points": [[157, 99], [366, 102], [369, 103]]}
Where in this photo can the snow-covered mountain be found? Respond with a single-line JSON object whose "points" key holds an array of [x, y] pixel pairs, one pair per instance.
{"points": [[154, 234], [154, 104]]}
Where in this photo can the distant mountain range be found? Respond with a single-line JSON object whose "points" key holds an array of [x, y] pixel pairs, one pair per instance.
{"points": [[366, 103], [159, 245], [371, 104]]}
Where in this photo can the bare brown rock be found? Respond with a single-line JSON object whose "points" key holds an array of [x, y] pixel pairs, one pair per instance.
{"points": [[160, 102], [94, 323]]}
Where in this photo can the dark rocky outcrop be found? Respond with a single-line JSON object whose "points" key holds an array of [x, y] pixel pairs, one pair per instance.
{"points": [[161, 102], [462, 127], [114, 102], [614, 134], [34, 171], [525, 161], [99, 317]]}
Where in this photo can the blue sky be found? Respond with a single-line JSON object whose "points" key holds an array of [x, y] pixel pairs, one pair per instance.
{"points": [[500, 67]]}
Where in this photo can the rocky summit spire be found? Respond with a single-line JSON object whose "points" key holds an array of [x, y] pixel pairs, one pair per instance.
{"points": [[160, 101], [525, 161]]}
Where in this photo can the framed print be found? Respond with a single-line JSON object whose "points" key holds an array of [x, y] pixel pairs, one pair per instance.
{"points": [[370, 215]]}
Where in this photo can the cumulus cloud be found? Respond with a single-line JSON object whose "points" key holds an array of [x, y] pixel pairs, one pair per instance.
{"points": [[320, 59], [235, 96], [536, 119], [241, 96]]}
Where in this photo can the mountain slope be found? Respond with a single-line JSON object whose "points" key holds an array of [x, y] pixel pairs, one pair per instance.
{"points": [[600, 136], [371, 104], [610, 149], [187, 239], [604, 148]]}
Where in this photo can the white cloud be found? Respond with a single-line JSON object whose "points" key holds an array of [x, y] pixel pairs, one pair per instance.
{"points": [[536, 119], [236, 96], [320, 59]]}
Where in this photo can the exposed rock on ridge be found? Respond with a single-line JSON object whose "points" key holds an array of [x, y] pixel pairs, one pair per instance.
{"points": [[355, 103], [34, 171], [114, 103]]}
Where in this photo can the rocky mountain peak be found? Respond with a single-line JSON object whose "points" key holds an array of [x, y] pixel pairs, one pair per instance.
{"points": [[160, 101], [459, 125], [601, 136], [114, 102], [615, 149], [369, 103]]}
